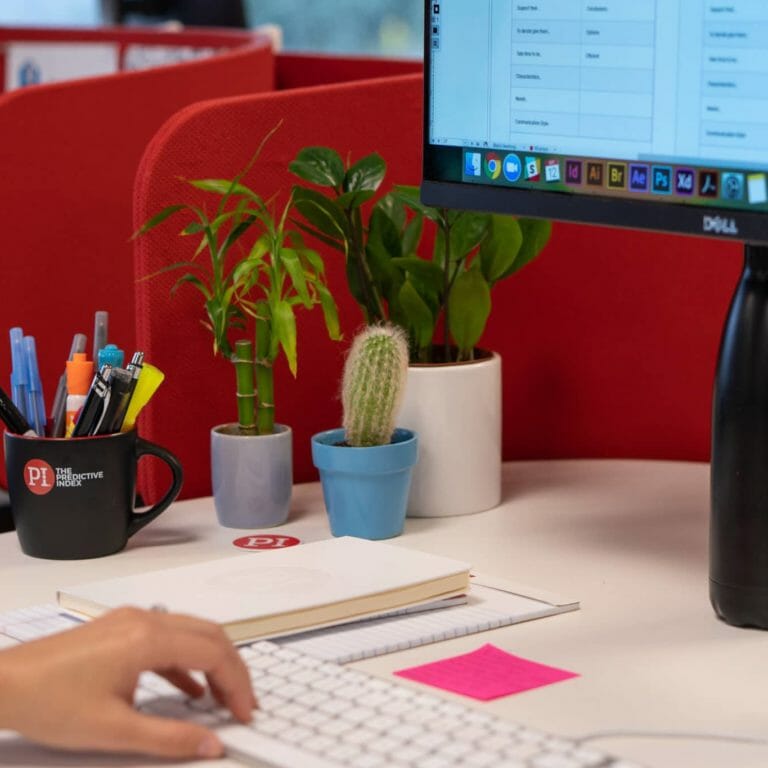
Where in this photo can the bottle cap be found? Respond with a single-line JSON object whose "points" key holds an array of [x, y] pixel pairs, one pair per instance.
{"points": [[79, 374], [111, 355]]}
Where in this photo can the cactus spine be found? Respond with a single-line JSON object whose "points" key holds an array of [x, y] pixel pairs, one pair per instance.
{"points": [[373, 384]]}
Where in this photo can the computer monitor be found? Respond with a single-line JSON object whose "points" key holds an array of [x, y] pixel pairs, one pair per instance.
{"points": [[638, 113]]}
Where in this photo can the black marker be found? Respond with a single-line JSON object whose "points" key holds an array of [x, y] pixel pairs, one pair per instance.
{"points": [[13, 417], [120, 388], [93, 408]]}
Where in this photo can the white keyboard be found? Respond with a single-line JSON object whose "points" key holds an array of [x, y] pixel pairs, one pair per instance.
{"points": [[318, 714]]}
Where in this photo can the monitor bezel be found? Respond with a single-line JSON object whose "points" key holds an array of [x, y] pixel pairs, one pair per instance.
{"points": [[662, 216]]}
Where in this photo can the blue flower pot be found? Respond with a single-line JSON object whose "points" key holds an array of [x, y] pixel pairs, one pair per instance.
{"points": [[365, 489]]}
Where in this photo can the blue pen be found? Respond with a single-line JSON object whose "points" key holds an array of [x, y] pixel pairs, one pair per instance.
{"points": [[35, 400], [18, 371]]}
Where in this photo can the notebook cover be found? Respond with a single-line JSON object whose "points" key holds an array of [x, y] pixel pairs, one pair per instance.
{"points": [[273, 592]]}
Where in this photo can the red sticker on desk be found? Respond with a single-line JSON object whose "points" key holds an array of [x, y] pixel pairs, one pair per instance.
{"points": [[266, 541]]}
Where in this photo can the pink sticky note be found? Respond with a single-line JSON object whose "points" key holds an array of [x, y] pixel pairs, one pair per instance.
{"points": [[486, 674]]}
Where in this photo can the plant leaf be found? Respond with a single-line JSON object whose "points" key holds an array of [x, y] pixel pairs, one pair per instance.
{"points": [[321, 212], [234, 235], [192, 280], [319, 165], [366, 174], [409, 196], [292, 264], [470, 306], [426, 271], [467, 232], [412, 233], [383, 245], [330, 242], [536, 234], [417, 317], [158, 218], [354, 199], [284, 331], [330, 313], [222, 187], [499, 251], [312, 261]]}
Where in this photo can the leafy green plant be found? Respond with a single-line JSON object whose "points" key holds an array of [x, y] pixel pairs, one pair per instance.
{"points": [[387, 275], [258, 272], [373, 384]]}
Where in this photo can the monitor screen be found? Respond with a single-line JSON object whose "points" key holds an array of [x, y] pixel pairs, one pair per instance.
{"points": [[643, 113]]}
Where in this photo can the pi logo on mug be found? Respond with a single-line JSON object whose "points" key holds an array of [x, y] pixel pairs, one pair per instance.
{"points": [[39, 477]]}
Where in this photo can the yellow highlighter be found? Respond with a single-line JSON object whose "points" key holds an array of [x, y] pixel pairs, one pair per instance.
{"points": [[149, 380]]}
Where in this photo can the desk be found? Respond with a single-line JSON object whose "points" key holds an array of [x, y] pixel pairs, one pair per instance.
{"points": [[628, 538]]}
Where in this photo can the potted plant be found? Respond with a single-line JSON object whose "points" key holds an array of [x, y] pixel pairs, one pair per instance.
{"points": [[454, 388], [258, 271], [365, 466]]}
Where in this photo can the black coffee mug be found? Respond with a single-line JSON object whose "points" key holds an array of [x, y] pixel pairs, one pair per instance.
{"points": [[74, 498]]}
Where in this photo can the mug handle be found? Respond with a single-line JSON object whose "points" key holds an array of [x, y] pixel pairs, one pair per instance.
{"points": [[144, 448]]}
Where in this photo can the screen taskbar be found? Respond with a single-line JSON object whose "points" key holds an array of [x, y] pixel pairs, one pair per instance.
{"points": [[738, 189]]}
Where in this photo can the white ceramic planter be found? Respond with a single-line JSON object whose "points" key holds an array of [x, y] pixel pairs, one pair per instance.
{"points": [[252, 476], [456, 412]]}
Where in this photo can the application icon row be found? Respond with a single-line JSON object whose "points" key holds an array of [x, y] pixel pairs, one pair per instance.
{"points": [[632, 177]]}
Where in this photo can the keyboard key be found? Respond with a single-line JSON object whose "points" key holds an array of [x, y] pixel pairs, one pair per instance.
{"points": [[555, 760], [344, 753], [369, 760], [589, 758]]}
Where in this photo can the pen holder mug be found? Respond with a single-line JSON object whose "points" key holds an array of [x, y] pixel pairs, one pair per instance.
{"points": [[74, 498]]}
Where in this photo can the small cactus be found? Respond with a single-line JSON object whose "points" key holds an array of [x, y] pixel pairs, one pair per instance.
{"points": [[373, 384]]}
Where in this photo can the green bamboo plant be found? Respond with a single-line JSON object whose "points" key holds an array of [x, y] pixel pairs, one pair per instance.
{"points": [[258, 272], [388, 276]]}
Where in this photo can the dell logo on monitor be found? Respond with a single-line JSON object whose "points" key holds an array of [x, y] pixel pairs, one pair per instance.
{"points": [[720, 225]]}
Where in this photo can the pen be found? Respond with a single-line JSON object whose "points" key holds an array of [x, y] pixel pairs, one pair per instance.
{"points": [[134, 368], [12, 417], [110, 354], [79, 379], [93, 408], [149, 380], [100, 325], [59, 409], [117, 402], [35, 400], [18, 371]]}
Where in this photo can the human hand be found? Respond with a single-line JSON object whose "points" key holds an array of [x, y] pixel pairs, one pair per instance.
{"points": [[75, 689]]}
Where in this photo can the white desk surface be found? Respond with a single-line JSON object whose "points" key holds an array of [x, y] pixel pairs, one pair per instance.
{"points": [[627, 538]]}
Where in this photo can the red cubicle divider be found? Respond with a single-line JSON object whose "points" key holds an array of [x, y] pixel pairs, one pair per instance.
{"points": [[608, 340], [69, 153]]}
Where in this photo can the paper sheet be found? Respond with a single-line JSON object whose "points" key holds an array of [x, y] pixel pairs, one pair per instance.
{"points": [[485, 674]]}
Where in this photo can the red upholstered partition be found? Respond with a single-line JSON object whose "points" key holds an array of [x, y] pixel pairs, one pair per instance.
{"points": [[69, 154], [299, 70], [216, 139], [608, 340]]}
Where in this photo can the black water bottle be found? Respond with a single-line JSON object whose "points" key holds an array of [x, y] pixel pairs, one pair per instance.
{"points": [[738, 542]]}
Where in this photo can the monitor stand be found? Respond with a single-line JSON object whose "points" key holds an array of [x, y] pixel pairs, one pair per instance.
{"points": [[739, 476]]}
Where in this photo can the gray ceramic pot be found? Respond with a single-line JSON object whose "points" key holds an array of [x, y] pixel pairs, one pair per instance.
{"points": [[252, 476]]}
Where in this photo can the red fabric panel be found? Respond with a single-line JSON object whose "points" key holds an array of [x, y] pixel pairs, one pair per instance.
{"points": [[69, 154], [608, 340], [217, 139], [298, 70]]}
